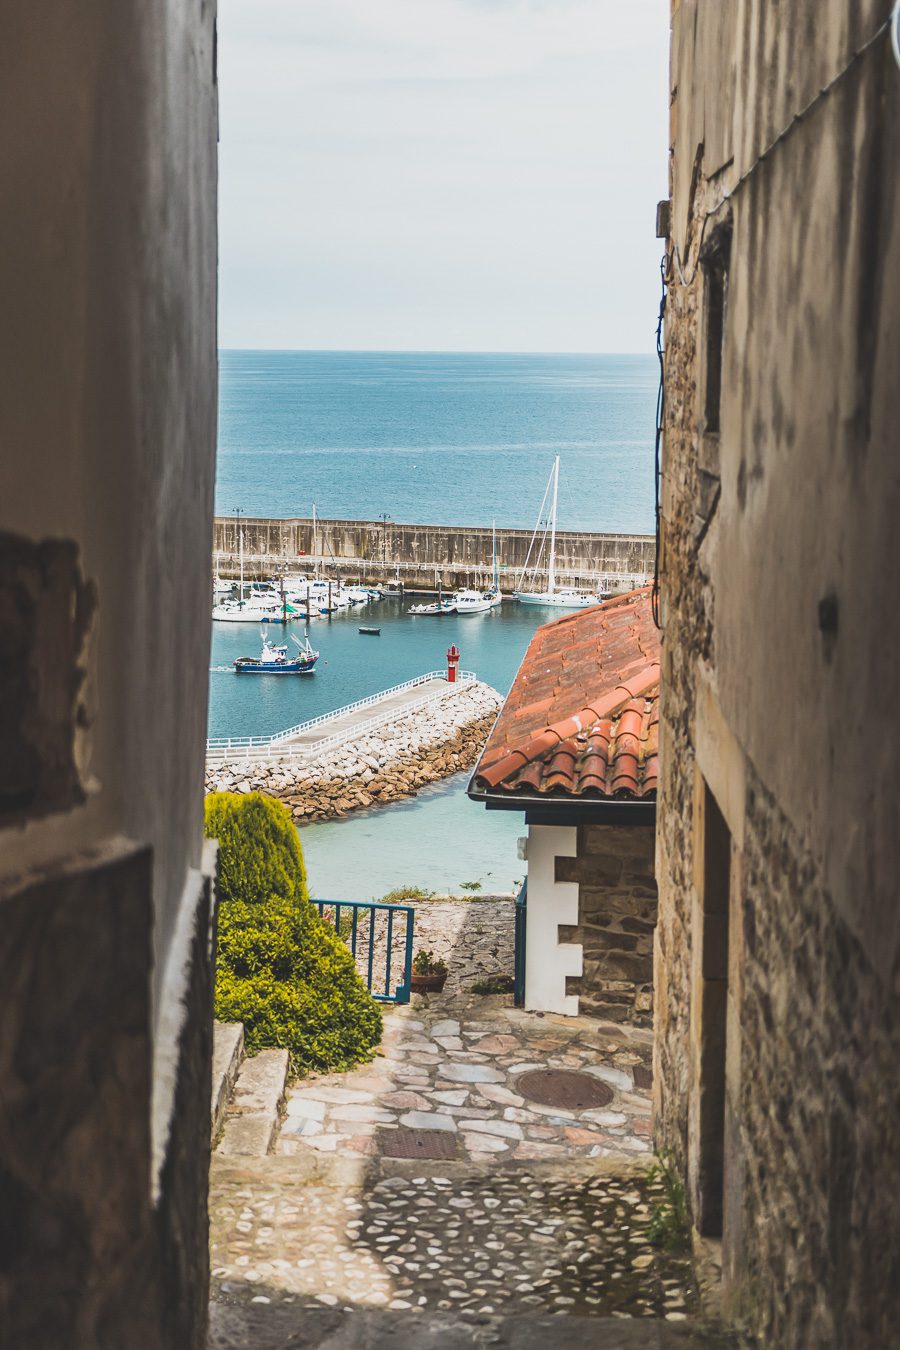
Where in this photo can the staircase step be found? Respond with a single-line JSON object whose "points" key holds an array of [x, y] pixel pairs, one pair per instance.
{"points": [[276, 1327], [252, 1118], [228, 1051]]}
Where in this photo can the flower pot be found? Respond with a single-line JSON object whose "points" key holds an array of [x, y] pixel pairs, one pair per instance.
{"points": [[428, 984]]}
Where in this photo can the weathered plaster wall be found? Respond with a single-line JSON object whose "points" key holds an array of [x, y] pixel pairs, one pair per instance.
{"points": [[780, 642], [616, 917], [107, 447]]}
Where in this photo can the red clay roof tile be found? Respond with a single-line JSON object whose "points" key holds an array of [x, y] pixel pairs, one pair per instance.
{"points": [[582, 716]]}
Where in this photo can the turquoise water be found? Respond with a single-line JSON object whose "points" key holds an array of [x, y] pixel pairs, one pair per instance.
{"points": [[438, 839], [352, 666], [444, 438], [454, 439]]}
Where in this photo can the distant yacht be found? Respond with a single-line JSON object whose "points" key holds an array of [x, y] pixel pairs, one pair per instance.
{"points": [[560, 597]]}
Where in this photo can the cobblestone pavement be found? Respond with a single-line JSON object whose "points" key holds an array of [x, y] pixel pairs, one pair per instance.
{"points": [[458, 1068], [562, 1239]]}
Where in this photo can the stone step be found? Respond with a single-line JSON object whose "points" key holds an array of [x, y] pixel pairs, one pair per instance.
{"points": [[252, 1119], [228, 1051], [280, 1327]]}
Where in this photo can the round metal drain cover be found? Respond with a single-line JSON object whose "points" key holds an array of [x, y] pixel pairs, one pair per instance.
{"points": [[564, 1087]]}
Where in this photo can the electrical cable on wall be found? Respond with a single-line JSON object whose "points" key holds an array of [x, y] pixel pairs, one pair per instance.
{"points": [[660, 413]]}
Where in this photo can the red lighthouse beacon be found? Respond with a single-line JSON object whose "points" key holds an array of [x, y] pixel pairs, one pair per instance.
{"points": [[452, 663]]}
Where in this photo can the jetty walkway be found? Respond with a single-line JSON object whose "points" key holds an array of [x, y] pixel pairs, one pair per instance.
{"points": [[308, 740]]}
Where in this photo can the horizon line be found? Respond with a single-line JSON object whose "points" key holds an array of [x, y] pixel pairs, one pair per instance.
{"points": [[434, 351]]}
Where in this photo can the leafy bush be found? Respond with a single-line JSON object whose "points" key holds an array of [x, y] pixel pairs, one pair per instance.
{"points": [[470, 885], [281, 971], [403, 893], [424, 963]]}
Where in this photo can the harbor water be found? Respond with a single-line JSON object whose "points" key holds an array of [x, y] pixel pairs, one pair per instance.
{"points": [[444, 438], [437, 840]]}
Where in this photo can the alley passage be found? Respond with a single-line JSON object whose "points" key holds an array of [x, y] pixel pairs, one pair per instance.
{"points": [[426, 1185]]}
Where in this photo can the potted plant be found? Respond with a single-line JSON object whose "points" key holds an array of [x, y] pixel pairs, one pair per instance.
{"points": [[428, 975]]}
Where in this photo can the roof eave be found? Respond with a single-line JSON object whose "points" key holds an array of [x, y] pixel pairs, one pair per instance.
{"points": [[567, 810]]}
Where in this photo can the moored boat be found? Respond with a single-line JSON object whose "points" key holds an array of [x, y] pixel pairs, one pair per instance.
{"points": [[559, 597]]}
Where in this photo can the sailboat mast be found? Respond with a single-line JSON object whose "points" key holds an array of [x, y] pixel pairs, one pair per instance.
{"points": [[494, 549], [241, 556], [314, 550], [551, 579]]}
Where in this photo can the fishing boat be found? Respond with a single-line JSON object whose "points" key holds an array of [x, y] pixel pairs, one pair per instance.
{"points": [[560, 597], [274, 660]]}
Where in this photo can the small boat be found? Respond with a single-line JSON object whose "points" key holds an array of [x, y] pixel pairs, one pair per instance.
{"points": [[439, 606], [274, 660], [472, 602], [370, 632]]}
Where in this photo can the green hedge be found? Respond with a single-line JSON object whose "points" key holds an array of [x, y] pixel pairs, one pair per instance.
{"points": [[281, 970]]}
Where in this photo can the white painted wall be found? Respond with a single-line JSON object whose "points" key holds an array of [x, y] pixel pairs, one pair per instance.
{"points": [[548, 962]]}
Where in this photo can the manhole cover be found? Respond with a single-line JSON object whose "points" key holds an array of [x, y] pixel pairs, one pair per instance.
{"points": [[418, 1144], [643, 1078], [562, 1087]]}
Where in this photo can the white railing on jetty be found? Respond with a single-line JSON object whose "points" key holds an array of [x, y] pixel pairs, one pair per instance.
{"points": [[226, 748]]}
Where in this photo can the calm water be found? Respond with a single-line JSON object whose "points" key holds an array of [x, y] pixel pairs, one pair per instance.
{"points": [[444, 438], [454, 439]]}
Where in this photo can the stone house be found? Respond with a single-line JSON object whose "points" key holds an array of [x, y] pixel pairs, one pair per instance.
{"points": [[575, 750], [777, 975]]}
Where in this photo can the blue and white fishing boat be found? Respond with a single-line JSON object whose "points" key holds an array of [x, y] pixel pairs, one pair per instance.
{"points": [[274, 660]]}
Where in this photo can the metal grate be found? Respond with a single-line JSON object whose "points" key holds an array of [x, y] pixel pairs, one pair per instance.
{"points": [[564, 1087], [418, 1144]]}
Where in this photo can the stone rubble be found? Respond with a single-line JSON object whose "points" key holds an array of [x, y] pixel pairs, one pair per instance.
{"points": [[388, 764]]}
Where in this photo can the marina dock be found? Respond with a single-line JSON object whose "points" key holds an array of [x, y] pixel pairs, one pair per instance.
{"points": [[308, 740]]}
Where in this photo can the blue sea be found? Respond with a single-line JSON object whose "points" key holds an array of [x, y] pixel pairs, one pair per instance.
{"points": [[455, 439]]}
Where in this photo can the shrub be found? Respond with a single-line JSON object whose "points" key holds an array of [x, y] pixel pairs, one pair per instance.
{"points": [[424, 963], [403, 893], [281, 971]]}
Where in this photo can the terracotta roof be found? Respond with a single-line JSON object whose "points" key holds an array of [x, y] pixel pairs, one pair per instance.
{"points": [[582, 717]]}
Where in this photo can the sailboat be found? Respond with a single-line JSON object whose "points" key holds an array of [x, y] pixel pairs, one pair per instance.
{"points": [[560, 597]]}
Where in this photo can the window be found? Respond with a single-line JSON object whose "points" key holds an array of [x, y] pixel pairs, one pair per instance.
{"points": [[715, 259]]}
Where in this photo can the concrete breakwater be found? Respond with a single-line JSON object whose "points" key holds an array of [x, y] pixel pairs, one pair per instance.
{"points": [[427, 556], [385, 765]]}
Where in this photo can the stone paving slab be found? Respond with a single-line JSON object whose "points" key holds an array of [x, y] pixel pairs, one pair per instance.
{"points": [[454, 1064], [278, 1327]]}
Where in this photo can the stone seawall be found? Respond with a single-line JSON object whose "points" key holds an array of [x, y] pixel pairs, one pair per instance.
{"points": [[425, 556], [387, 765]]}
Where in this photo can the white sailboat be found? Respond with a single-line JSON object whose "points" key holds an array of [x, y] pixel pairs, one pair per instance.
{"points": [[562, 597]]}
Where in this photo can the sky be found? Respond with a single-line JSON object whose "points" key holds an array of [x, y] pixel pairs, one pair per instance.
{"points": [[441, 175]]}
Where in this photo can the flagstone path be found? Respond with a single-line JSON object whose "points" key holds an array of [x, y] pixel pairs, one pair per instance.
{"points": [[460, 1075]]}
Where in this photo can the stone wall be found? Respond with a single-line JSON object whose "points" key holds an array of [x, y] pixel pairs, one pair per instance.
{"points": [[430, 551], [617, 913], [813, 1145], [776, 950]]}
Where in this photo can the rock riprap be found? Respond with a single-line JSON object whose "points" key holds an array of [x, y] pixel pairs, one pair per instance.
{"points": [[388, 764]]}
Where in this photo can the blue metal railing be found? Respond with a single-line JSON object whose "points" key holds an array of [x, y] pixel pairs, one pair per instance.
{"points": [[364, 937], [521, 919]]}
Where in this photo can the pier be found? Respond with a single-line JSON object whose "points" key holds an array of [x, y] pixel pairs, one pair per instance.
{"points": [[308, 740], [428, 557]]}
